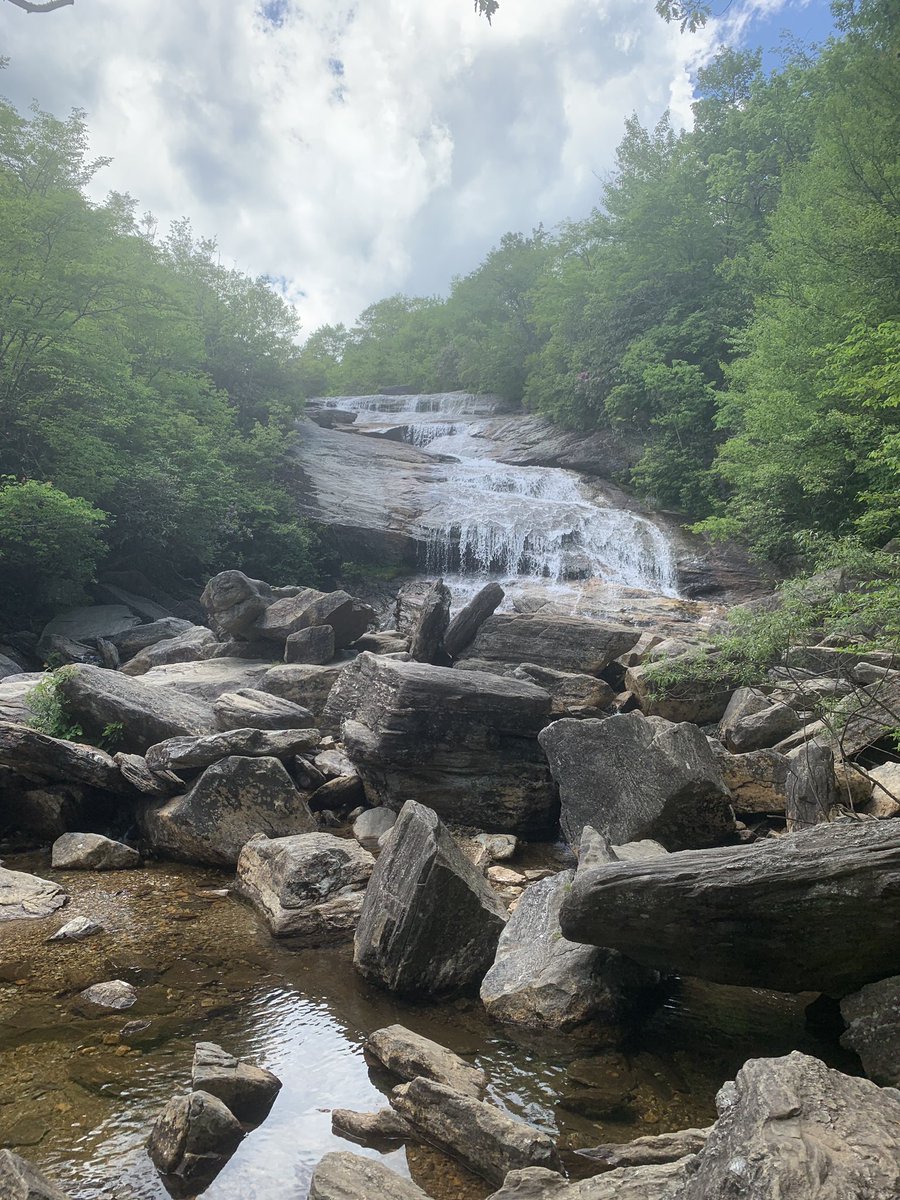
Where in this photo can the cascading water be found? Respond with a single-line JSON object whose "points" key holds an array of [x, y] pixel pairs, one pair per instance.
{"points": [[531, 525]]}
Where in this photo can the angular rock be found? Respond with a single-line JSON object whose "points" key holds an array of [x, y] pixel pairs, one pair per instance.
{"points": [[132, 641], [97, 698], [284, 616], [345, 1176], [188, 646], [194, 1137], [430, 922], [370, 1128], [208, 678], [811, 791], [687, 701], [38, 756], [763, 729], [783, 913], [411, 1056], [653, 1182], [542, 981], [76, 930], [636, 777], [427, 639], [341, 794], [549, 640], [249, 708], [463, 739], [111, 995], [233, 800], [23, 895], [485, 1139], [886, 780], [790, 1127], [304, 685], [465, 625], [134, 769], [859, 720], [348, 618], [233, 602], [371, 825], [248, 1091], [8, 667], [19, 1180], [308, 887], [873, 1018], [745, 702], [314, 645], [384, 641], [92, 852], [14, 692], [756, 780], [643, 1151], [187, 753], [572, 695]]}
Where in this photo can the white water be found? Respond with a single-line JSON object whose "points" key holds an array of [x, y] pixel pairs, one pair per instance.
{"points": [[538, 526]]}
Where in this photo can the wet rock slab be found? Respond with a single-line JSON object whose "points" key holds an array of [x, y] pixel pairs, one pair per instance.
{"points": [[410, 1055]]}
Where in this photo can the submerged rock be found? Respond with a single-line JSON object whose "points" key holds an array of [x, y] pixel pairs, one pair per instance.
{"points": [[370, 1128], [194, 1137], [654, 1182], [113, 994], [92, 852], [248, 1091], [345, 1176], [410, 1055], [76, 930]]}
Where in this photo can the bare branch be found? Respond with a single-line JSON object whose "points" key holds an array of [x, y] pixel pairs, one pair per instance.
{"points": [[47, 6]]}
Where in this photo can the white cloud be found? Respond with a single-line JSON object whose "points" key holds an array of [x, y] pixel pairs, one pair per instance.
{"points": [[354, 149]]}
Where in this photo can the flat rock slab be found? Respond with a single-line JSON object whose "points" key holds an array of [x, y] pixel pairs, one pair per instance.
{"points": [[92, 852], [19, 1180], [209, 679], [812, 911], [190, 753], [91, 622], [247, 1090], [873, 1019], [656, 1148], [188, 646], [411, 1055], [345, 1176], [23, 895], [563, 643], [251, 708]]}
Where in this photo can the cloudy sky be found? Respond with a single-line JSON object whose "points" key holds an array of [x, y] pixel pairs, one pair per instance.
{"points": [[356, 148]]}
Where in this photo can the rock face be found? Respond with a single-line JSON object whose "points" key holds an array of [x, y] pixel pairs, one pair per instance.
{"points": [[790, 1127], [427, 640], [194, 1137], [39, 756], [782, 914], [187, 753], [465, 740], [488, 1141], [308, 887], [542, 981], [248, 1091], [19, 1180], [23, 895], [249, 708], [873, 1019], [98, 698], [465, 625], [410, 1056], [92, 852], [635, 777], [345, 1176], [429, 923], [230, 802], [563, 643]]}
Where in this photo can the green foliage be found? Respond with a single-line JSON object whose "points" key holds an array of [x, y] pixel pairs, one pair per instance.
{"points": [[48, 707]]}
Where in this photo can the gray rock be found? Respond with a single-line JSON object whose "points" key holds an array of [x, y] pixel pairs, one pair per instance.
{"points": [[745, 702], [340, 794], [284, 616], [643, 1151], [249, 708], [810, 790], [345, 1176], [159, 784], [384, 641], [207, 679], [639, 851], [314, 645], [87, 624], [230, 802], [636, 777], [663, 1181], [76, 930], [543, 981], [873, 1018], [410, 1055], [97, 698], [91, 852], [760, 730], [19, 1180], [190, 645], [308, 887], [113, 995], [194, 1137], [563, 643], [465, 625], [783, 913], [38, 756], [486, 1140], [233, 602], [427, 639], [132, 641], [305, 685], [348, 618], [494, 847], [859, 720], [8, 667], [368, 1129], [14, 692], [595, 849], [791, 1127], [698, 704], [572, 695], [248, 1091], [187, 753], [23, 895], [370, 825], [430, 922], [756, 780]]}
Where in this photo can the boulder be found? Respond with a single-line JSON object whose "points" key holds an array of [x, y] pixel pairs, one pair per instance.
{"points": [[14, 693], [8, 667], [543, 981], [230, 802], [572, 695], [782, 913], [661, 1181], [23, 895], [45, 812], [208, 678], [308, 887], [636, 777], [645, 1151], [19, 1180], [465, 740], [745, 702], [759, 730], [411, 1056], [860, 719], [304, 685], [486, 1140], [756, 780], [790, 1127], [368, 1129], [113, 995], [549, 640], [384, 641], [341, 1175], [91, 852], [430, 922], [314, 645], [88, 624], [811, 791], [190, 753], [39, 756], [249, 708], [873, 1019], [233, 602], [341, 794], [687, 701], [886, 780], [348, 618], [465, 625], [188, 646], [194, 1137], [97, 698], [369, 826], [132, 641], [248, 1091], [284, 616], [427, 638], [159, 784]]}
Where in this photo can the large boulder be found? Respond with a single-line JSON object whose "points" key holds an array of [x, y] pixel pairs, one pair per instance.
{"points": [[810, 911], [189, 645], [685, 701], [39, 756], [430, 922], [347, 617], [233, 602], [873, 1029], [207, 679], [790, 1127], [250, 708], [635, 777], [308, 887], [465, 625], [247, 1090], [23, 895], [464, 740], [19, 1180], [132, 641], [230, 802], [91, 852], [342, 1175], [756, 780], [314, 646], [427, 639], [752, 722], [305, 685], [191, 753], [194, 1137], [549, 640], [410, 1055], [87, 624], [97, 698]]}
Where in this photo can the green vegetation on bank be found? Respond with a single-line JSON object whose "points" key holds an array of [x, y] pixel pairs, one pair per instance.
{"points": [[734, 302]]}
